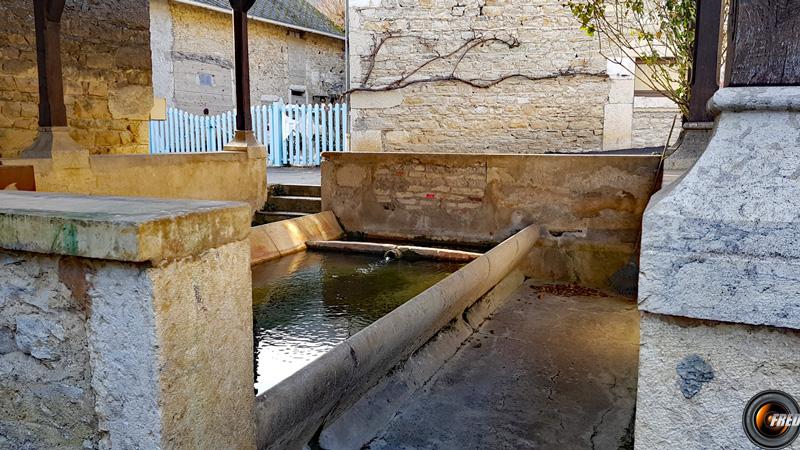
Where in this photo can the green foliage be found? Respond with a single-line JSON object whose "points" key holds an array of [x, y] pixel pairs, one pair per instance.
{"points": [[658, 33]]}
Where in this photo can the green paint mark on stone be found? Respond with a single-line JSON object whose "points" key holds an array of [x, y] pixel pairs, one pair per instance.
{"points": [[71, 239], [66, 240]]}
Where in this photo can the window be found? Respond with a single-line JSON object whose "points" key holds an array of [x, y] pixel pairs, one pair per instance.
{"points": [[297, 96], [643, 73], [205, 79], [322, 99]]}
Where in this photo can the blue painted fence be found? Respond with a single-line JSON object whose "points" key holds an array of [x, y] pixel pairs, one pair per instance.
{"points": [[295, 135]]}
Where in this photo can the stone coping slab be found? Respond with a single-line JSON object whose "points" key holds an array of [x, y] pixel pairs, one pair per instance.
{"points": [[118, 228], [772, 98], [479, 156]]}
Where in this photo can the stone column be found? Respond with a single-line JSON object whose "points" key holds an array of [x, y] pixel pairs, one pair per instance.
{"points": [[53, 129], [719, 285], [124, 323]]}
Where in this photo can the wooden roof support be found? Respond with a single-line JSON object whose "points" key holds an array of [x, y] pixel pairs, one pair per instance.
{"points": [[243, 118], [705, 71], [764, 43], [47, 17]]}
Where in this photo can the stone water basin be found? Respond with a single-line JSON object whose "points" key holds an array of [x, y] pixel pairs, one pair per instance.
{"points": [[306, 303]]}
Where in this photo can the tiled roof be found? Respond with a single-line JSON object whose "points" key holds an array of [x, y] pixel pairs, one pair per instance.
{"points": [[293, 13]]}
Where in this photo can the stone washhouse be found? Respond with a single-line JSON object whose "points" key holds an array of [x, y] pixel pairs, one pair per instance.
{"points": [[582, 302]]}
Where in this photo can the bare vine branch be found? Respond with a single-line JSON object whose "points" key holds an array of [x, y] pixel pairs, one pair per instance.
{"points": [[408, 78]]}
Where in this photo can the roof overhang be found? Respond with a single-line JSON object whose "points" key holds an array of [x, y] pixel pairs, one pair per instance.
{"points": [[261, 19]]}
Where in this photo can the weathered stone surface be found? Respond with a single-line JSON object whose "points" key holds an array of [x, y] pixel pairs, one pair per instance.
{"points": [[204, 326], [117, 228], [208, 176], [745, 360], [691, 144], [588, 207], [104, 48], [513, 384], [720, 244], [46, 397]]}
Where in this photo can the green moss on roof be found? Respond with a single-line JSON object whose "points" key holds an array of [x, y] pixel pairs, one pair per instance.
{"points": [[298, 13]]}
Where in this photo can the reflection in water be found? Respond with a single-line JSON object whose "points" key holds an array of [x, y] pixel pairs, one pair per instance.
{"points": [[305, 304]]}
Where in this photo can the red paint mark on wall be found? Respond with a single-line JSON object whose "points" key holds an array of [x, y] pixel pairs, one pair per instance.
{"points": [[430, 195]]}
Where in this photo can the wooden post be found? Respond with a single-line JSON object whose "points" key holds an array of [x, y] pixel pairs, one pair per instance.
{"points": [[47, 17], [243, 118], [764, 43], [705, 70]]}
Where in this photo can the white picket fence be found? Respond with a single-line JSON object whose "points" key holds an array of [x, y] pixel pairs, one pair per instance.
{"points": [[294, 135]]}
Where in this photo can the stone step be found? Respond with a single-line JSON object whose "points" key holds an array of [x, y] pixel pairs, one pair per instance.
{"points": [[264, 217], [294, 203], [301, 190]]}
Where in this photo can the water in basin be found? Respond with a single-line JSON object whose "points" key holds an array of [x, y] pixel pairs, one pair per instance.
{"points": [[305, 304]]}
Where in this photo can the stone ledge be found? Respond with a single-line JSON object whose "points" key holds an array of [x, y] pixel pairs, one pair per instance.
{"points": [[118, 228], [773, 98]]}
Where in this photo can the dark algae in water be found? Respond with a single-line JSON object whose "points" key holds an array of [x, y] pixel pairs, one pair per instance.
{"points": [[307, 303]]}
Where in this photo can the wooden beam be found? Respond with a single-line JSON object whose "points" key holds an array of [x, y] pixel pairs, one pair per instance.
{"points": [[705, 71], [242, 69], [764, 43], [47, 19]]}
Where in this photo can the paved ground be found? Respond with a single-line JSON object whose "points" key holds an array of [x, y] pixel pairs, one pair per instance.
{"points": [[293, 175], [551, 369]]}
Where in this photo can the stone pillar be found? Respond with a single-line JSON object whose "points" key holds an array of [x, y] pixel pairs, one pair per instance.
{"points": [[124, 323], [719, 284], [618, 112]]}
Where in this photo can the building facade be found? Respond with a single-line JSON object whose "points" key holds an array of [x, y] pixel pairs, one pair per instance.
{"points": [[296, 54], [558, 93], [105, 52]]}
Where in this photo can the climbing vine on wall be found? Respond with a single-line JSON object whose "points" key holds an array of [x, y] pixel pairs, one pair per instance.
{"points": [[452, 61]]}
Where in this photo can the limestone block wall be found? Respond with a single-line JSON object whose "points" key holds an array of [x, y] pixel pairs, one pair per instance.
{"points": [[115, 319], [652, 121], [235, 176], [280, 58], [589, 207], [107, 74], [516, 116]]}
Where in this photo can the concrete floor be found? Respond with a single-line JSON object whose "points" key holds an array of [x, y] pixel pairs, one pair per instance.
{"points": [[550, 369], [293, 175]]}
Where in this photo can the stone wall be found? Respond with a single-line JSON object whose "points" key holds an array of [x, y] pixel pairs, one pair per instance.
{"points": [[589, 207], [652, 121], [107, 75], [235, 176], [280, 58], [516, 116]]}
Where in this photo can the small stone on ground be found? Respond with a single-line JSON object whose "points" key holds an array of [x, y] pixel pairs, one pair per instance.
{"points": [[550, 369]]}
